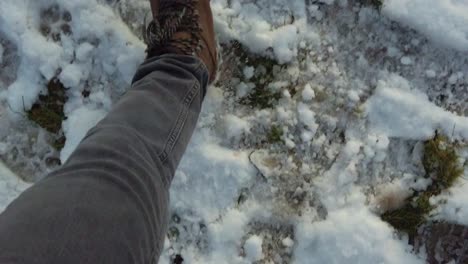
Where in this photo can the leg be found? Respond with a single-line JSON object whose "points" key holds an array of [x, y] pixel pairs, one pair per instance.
{"points": [[109, 202]]}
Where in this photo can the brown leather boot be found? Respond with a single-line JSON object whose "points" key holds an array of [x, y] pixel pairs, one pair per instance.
{"points": [[183, 27]]}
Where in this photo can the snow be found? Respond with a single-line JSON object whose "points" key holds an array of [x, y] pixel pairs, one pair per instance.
{"points": [[249, 72], [453, 202], [431, 74], [353, 96], [289, 143], [10, 186], [399, 111], [359, 94], [454, 208], [350, 235], [453, 79], [243, 89], [444, 22], [235, 127], [308, 94], [288, 242], [406, 60], [76, 127], [253, 248], [250, 27], [84, 51], [306, 116], [72, 75]]}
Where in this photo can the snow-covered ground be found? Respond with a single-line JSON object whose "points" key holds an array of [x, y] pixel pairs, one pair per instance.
{"points": [[358, 92], [10, 186]]}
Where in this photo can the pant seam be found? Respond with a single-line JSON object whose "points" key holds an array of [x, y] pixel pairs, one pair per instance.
{"points": [[180, 122]]}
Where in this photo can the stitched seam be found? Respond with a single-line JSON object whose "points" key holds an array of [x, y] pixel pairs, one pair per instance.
{"points": [[181, 118], [177, 129]]}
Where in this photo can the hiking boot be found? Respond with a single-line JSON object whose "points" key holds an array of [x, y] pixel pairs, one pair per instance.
{"points": [[183, 27]]}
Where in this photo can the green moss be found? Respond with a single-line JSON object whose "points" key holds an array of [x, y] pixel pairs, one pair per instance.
{"points": [[47, 112], [440, 160], [359, 110], [275, 134], [320, 96], [261, 96], [411, 216], [59, 143], [377, 4], [46, 118], [173, 233], [247, 57]]}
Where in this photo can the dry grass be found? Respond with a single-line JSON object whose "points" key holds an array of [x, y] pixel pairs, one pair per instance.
{"points": [[441, 164]]}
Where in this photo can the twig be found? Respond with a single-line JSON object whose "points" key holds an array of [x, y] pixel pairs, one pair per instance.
{"points": [[453, 130]]}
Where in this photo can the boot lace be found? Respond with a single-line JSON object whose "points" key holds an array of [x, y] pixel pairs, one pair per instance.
{"points": [[174, 16]]}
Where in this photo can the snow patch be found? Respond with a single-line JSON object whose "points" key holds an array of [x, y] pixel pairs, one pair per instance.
{"points": [[76, 127], [288, 242], [306, 116], [10, 186], [243, 89], [453, 209], [84, 51], [431, 74], [406, 60], [399, 111], [308, 93], [249, 26], [444, 22], [235, 127], [72, 75], [249, 72], [350, 235], [253, 248]]}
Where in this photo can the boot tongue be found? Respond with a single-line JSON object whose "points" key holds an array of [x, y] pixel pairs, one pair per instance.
{"points": [[155, 7]]}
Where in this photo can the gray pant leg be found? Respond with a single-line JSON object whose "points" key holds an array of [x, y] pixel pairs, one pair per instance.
{"points": [[109, 202]]}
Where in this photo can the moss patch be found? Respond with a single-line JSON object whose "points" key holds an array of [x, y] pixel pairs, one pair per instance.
{"points": [[411, 216], [440, 161], [321, 96], [261, 96], [47, 112], [275, 134], [59, 142], [377, 4]]}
